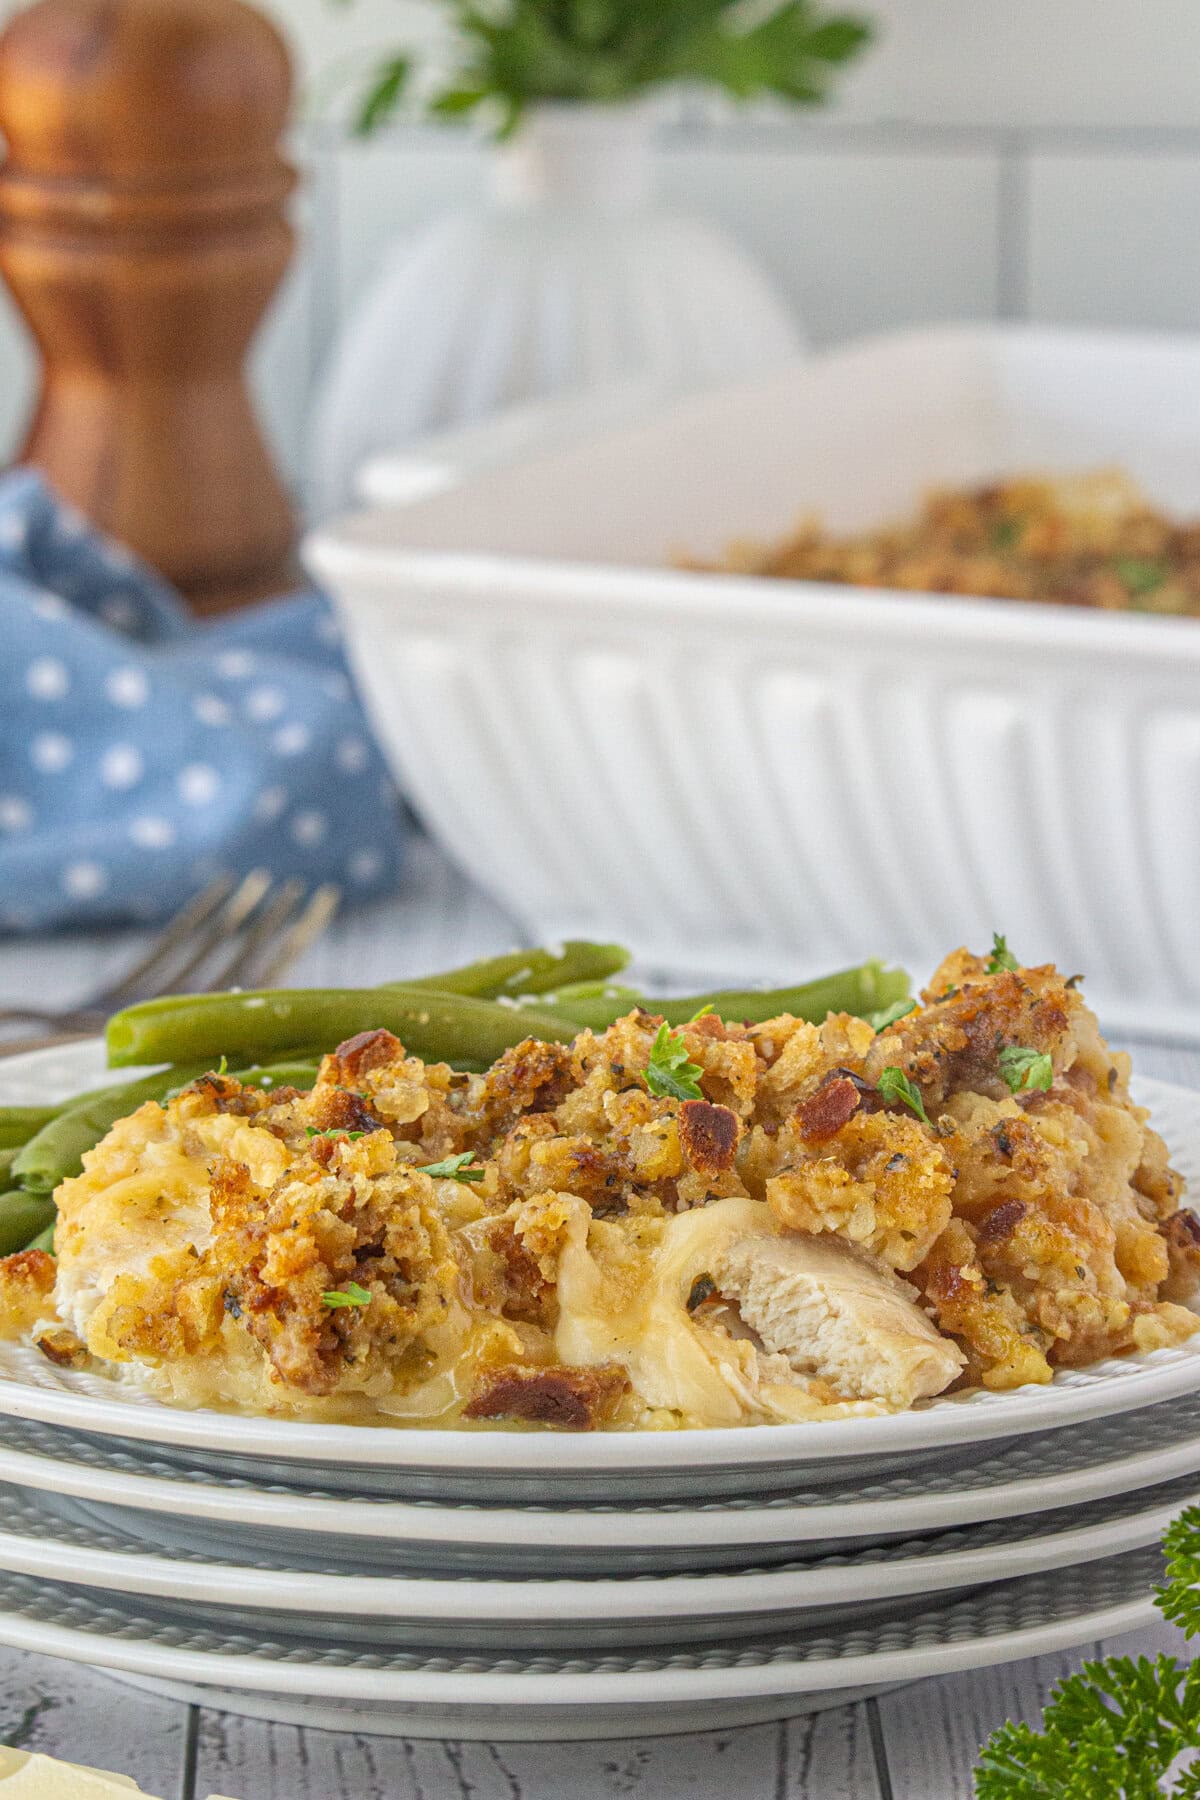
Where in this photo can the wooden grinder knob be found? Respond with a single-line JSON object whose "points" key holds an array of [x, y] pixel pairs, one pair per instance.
{"points": [[143, 233]]}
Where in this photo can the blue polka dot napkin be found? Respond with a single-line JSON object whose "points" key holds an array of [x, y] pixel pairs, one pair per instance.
{"points": [[141, 754]]}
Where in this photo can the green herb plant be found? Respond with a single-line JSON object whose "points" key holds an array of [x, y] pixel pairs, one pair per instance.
{"points": [[1120, 1728], [514, 53]]}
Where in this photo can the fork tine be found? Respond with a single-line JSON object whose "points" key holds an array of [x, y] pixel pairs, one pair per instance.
{"points": [[246, 897], [317, 914], [193, 916], [274, 919]]}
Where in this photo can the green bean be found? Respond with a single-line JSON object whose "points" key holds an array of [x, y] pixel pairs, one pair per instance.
{"points": [[869, 988], [18, 1123], [593, 990], [279, 1075], [44, 1239], [56, 1153], [529, 971], [22, 1218], [435, 1026]]}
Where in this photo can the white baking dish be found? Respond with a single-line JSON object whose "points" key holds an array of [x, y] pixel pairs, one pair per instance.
{"points": [[742, 777]]}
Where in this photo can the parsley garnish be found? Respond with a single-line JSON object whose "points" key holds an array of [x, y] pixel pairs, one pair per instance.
{"points": [[669, 1074], [703, 1012], [353, 1296], [333, 1131], [880, 1021], [1119, 1726], [1024, 1070], [1001, 957], [455, 1168], [894, 1086], [1004, 533], [1141, 575]]}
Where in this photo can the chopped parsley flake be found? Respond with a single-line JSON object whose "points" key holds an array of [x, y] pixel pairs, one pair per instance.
{"points": [[894, 1086], [456, 1168], [1025, 1070], [352, 1296], [333, 1131], [703, 1013], [879, 1021], [1002, 957], [669, 1074], [1141, 575]]}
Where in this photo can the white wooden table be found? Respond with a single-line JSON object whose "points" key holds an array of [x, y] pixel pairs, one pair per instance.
{"points": [[918, 1744]]}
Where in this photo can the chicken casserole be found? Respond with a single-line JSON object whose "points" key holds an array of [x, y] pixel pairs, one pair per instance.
{"points": [[646, 1228]]}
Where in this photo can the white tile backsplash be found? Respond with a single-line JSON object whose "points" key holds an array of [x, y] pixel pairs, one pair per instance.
{"points": [[1115, 240], [1024, 158], [971, 62], [857, 242]]}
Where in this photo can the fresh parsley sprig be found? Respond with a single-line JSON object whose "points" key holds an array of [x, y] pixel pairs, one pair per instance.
{"points": [[1114, 1729], [1002, 957], [332, 1131], [1026, 1070], [1121, 1726], [895, 1087], [512, 56], [351, 1295], [455, 1168], [900, 1009], [669, 1074]]}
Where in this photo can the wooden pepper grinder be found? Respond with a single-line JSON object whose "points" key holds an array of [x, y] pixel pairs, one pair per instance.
{"points": [[143, 233]]}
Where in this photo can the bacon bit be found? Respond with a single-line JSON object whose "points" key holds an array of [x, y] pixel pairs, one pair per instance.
{"points": [[367, 1050], [834, 1104], [338, 1109], [1002, 1221], [1182, 1230], [568, 1399], [63, 1349], [708, 1136]]}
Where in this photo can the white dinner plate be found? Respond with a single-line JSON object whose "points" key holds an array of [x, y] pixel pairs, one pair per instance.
{"points": [[640, 1692], [208, 1514], [59, 1540], [526, 1465]]}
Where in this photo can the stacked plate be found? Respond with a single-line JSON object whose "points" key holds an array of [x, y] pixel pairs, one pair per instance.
{"points": [[505, 1584]]}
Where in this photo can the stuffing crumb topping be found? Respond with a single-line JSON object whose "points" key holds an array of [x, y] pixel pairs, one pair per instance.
{"points": [[830, 1219]]}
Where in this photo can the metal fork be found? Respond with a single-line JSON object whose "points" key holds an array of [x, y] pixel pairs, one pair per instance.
{"points": [[271, 925]]}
